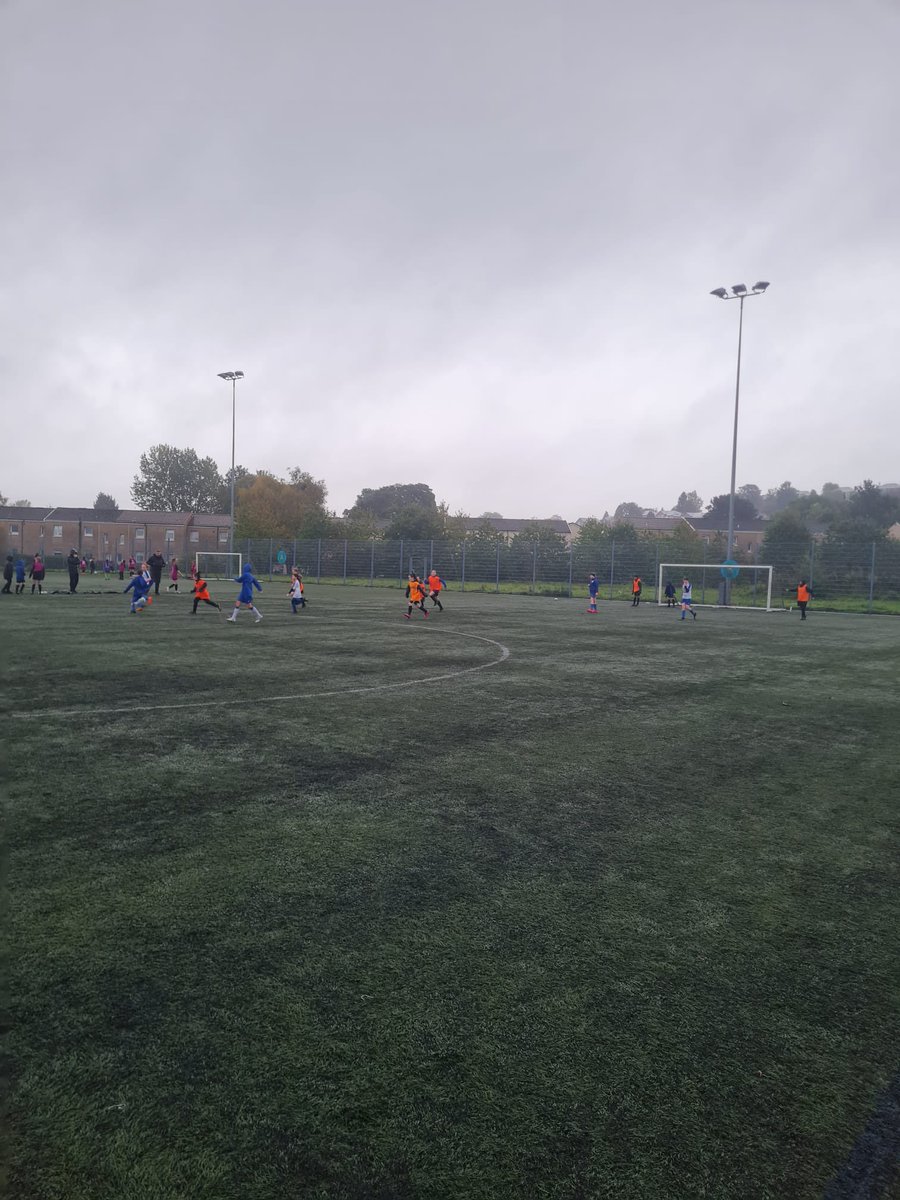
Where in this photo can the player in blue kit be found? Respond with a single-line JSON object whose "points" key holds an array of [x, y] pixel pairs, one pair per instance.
{"points": [[593, 589], [140, 585], [248, 582]]}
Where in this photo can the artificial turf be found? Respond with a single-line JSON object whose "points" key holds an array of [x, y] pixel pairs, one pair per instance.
{"points": [[616, 916]]}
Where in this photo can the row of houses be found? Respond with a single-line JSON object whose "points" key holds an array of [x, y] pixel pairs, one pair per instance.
{"points": [[54, 531]]}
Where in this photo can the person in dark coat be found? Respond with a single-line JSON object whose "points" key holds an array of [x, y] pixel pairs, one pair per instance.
{"points": [[72, 562], [156, 562], [7, 574]]}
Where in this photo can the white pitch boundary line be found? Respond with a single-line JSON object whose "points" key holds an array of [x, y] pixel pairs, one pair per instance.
{"points": [[377, 687]]}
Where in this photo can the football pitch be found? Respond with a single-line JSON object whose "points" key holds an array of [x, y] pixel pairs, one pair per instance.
{"points": [[512, 902]]}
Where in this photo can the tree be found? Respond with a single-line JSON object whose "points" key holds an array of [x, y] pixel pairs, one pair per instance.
{"points": [[488, 516], [414, 522], [689, 502], [869, 503], [105, 503], [777, 499], [749, 491], [593, 533], [386, 501], [744, 511], [266, 506], [173, 480], [628, 509]]}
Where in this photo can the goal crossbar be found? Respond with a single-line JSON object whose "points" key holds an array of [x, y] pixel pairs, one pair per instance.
{"points": [[741, 568]]}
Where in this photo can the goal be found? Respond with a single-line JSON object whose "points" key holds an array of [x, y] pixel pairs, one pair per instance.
{"points": [[215, 564], [744, 586]]}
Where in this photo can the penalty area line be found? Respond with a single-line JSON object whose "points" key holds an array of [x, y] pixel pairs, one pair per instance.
{"points": [[357, 691]]}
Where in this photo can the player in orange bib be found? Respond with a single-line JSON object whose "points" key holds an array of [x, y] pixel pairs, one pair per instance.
{"points": [[201, 593], [415, 594], [435, 583]]}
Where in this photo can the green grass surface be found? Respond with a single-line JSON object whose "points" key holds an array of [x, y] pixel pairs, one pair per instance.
{"points": [[615, 917]]}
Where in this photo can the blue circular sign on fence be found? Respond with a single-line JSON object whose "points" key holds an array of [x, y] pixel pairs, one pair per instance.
{"points": [[281, 557], [729, 569]]}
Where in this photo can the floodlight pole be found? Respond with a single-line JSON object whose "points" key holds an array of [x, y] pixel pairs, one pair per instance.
{"points": [[739, 292], [232, 377], [729, 543]]}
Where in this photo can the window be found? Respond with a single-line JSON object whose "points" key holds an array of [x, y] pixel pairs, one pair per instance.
{"points": [[88, 531], [170, 535], [223, 535], [195, 536], [121, 539], [139, 535], [13, 531], [57, 531]]}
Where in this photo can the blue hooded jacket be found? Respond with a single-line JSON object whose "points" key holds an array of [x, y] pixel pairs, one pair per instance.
{"points": [[248, 582], [141, 586], [20, 571]]}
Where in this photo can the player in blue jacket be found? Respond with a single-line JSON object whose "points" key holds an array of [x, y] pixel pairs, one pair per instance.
{"points": [[20, 576], [140, 585], [593, 589], [248, 582]]}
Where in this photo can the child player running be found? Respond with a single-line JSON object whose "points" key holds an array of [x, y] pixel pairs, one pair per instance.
{"points": [[415, 594], [687, 602], [248, 582], [298, 600], [201, 592], [140, 585], [435, 583]]}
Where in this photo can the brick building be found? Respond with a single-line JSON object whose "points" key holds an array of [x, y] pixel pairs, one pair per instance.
{"points": [[53, 532]]}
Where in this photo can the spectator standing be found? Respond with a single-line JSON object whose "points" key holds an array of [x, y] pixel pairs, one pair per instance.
{"points": [[173, 575], [7, 575], [72, 564], [20, 576], [156, 562]]}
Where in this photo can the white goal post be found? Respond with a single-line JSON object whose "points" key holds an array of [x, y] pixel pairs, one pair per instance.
{"points": [[747, 576], [218, 564]]}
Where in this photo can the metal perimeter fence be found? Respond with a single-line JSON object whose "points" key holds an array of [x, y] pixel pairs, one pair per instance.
{"points": [[845, 576], [856, 577]]}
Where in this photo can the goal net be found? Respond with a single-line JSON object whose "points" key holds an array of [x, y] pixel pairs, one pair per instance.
{"points": [[215, 564], [718, 584]]}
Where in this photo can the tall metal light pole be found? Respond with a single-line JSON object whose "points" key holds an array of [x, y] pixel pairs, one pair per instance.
{"points": [[232, 377], [738, 292]]}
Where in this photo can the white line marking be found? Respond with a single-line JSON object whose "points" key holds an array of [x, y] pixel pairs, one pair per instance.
{"points": [[377, 687]]}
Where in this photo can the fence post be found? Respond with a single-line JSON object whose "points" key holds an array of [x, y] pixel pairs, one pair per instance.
{"points": [[372, 566], [462, 571], [319, 562], [295, 563], [401, 560], [656, 572], [612, 565], [270, 558], [497, 588], [872, 578], [432, 554], [345, 561], [812, 559], [571, 552], [533, 565]]}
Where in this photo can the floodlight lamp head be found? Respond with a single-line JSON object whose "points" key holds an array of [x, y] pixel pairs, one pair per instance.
{"points": [[240, 374], [739, 289], [226, 375], [761, 286], [720, 292]]}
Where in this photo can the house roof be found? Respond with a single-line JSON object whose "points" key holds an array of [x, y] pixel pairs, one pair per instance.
{"points": [[212, 520], [19, 512], [714, 524], [518, 524]]}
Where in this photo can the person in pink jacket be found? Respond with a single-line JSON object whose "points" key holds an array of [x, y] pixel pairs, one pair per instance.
{"points": [[174, 575]]}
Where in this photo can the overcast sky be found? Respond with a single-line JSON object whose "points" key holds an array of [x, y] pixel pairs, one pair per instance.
{"points": [[469, 243]]}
